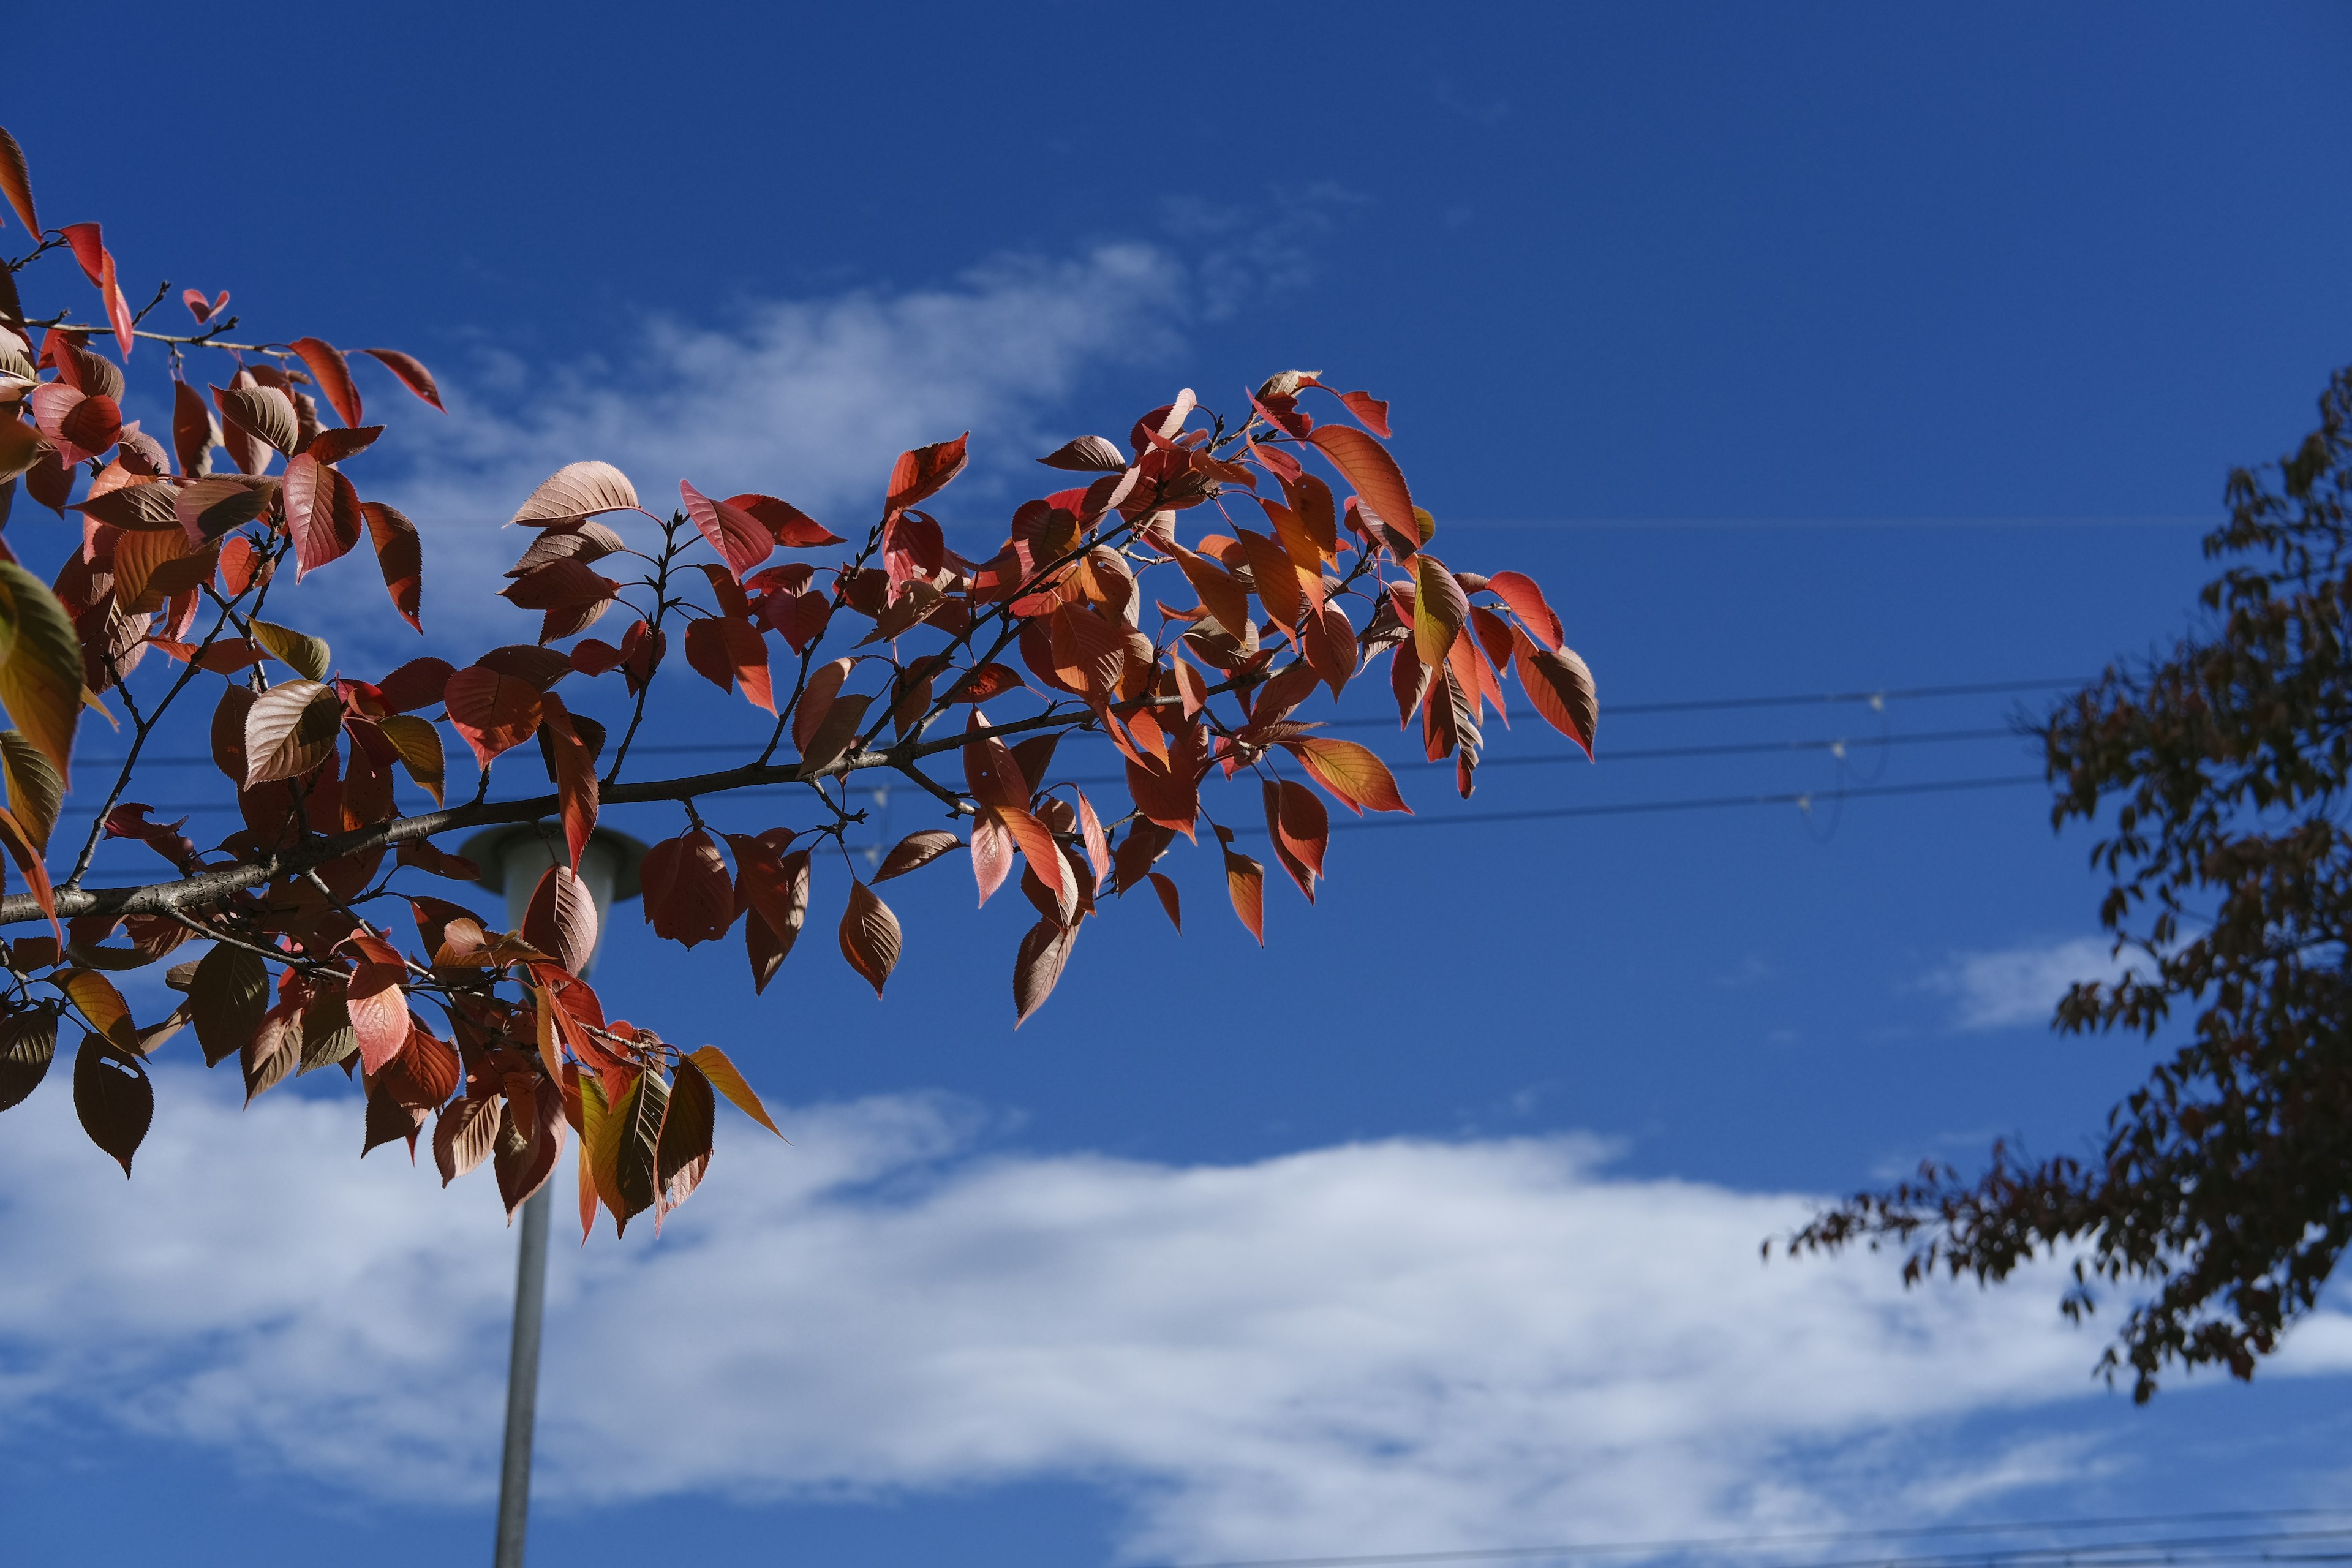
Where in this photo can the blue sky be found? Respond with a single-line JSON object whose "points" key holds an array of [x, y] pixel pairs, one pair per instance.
{"points": [[1809, 348]]}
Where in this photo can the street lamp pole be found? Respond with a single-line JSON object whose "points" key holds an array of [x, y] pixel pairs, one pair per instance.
{"points": [[512, 860]]}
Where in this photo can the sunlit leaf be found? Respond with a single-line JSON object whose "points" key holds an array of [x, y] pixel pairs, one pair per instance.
{"points": [[870, 936]]}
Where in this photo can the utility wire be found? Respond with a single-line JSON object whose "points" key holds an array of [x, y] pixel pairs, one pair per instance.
{"points": [[1761, 1543]]}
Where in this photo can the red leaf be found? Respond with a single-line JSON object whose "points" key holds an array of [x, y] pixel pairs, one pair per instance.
{"points": [[787, 524], [494, 713], [419, 683], [729, 651], [774, 889], [1168, 900], [924, 472], [192, 430], [198, 306], [992, 852], [575, 776], [332, 372], [915, 851], [1220, 595], [738, 537], [413, 376]]}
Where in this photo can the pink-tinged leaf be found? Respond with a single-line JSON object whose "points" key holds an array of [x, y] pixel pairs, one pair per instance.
{"points": [[1560, 685], [575, 492], [992, 852], [1087, 454], [1355, 777], [332, 372], [1526, 602], [1168, 901], [1367, 467], [412, 375], [334, 446], [202, 310], [79, 425], [737, 536], [1371, 412], [1098, 842], [322, 513], [494, 713], [924, 471], [379, 1011], [16, 181]]}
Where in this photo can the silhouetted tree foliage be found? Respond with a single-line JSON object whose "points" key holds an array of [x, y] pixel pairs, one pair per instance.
{"points": [[2223, 1196]]}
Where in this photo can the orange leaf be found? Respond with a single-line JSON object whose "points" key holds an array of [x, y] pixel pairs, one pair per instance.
{"points": [[333, 374], [1355, 778], [1245, 880], [1379, 484], [714, 1065], [1560, 685]]}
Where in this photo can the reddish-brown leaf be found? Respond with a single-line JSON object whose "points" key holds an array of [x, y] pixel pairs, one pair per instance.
{"points": [[730, 651], [1166, 888], [465, 1134], [1037, 966], [688, 896], [1560, 685], [1526, 602], [400, 554], [17, 182], [915, 850], [869, 931], [682, 1147], [227, 996], [113, 1098], [561, 920], [266, 414], [28, 1044], [787, 524], [412, 375], [924, 472], [775, 887]]}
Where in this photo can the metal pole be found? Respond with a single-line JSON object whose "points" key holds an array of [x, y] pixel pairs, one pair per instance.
{"points": [[512, 860], [522, 1380]]}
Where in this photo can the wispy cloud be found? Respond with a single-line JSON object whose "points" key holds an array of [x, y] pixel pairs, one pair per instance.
{"points": [[2007, 988], [1386, 1345]]}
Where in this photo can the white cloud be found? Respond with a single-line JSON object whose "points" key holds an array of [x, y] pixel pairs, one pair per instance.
{"points": [[1382, 1346], [2022, 985], [811, 399]]}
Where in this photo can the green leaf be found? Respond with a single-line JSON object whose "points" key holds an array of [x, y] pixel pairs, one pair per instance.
{"points": [[40, 666], [306, 656]]}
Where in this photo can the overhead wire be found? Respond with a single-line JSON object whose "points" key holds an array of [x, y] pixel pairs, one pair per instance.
{"points": [[2104, 1553]]}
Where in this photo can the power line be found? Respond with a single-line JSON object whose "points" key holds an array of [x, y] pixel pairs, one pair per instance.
{"points": [[1718, 1544]]}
